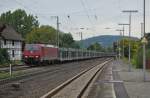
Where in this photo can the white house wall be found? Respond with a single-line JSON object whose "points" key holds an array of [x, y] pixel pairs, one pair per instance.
{"points": [[17, 47]]}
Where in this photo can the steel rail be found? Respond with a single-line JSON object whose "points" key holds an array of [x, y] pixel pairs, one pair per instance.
{"points": [[69, 81]]}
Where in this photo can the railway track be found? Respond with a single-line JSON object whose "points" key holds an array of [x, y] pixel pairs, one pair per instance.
{"points": [[33, 72], [76, 86], [26, 77], [36, 84], [14, 68]]}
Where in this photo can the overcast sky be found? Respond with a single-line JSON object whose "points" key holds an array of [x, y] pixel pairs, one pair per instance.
{"points": [[92, 15]]}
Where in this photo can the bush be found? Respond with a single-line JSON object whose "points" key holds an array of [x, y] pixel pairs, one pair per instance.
{"points": [[4, 56], [139, 57]]}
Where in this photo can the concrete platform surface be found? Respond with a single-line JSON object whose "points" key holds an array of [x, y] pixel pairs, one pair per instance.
{"points": [[103, 86], [133, 81]]}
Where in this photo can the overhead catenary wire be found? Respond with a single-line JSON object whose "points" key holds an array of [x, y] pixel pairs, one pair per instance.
{"points": [[91, 11], [31, 10], [86, 12], [87, 9], [94, 16], [40, 14]]}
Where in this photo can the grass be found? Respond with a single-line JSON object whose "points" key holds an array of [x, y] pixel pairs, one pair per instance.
{"points": [[4, 75], [17, 62], [125, 60], [133, 62], [4, 65], [12, 62]]}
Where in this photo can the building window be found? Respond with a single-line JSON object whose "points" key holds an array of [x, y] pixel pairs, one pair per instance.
{"points": [[5, 42], [13, 43], [13, 53]]}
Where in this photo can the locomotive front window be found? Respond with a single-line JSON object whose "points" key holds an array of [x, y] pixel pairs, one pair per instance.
{"points": [[32, 47]]}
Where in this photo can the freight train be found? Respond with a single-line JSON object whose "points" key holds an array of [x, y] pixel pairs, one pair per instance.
{"points": [[43, 53]]}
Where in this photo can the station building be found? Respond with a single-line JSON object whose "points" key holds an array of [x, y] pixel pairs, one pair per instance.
{"points": [[11, 40]]}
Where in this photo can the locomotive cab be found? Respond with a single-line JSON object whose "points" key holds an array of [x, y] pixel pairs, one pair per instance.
{"points": [[40, 53], [32, 54]]}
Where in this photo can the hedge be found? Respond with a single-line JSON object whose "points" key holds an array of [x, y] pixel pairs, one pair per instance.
{"points": [[4, 56], [139, 57]]}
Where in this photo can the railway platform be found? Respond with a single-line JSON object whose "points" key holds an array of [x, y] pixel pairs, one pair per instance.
{"points": [[117, 82], [133, 81]]}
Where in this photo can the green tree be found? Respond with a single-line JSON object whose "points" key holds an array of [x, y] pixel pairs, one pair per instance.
{"points": [[147, 35], [75, 45], [20, 21], [134, 47], [96, 46], [109, 49], [139, 55], [67, 40], [43, 34], [115, 46], [47, 34]]}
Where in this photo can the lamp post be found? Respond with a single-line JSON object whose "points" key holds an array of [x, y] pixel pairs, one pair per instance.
{"points": [[144, 42], [120, 33], [123, 24], [130, 16], [81, 34], [81, 39], [142, 31], [144, 16], [57, 28]]}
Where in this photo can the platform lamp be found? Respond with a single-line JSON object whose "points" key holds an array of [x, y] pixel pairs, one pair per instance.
{"points": [[144, 40], [123, 29], [130, 12], [119, 48]]}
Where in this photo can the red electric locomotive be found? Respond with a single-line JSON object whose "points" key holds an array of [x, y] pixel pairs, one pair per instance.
{"points": [[43, 53], [39, 53]]}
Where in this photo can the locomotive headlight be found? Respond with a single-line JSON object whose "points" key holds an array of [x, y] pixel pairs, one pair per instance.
{"points": [[36, 56], [26, 56]]}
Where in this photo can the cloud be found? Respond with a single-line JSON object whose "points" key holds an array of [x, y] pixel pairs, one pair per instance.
{"points": [[108, 13]]}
